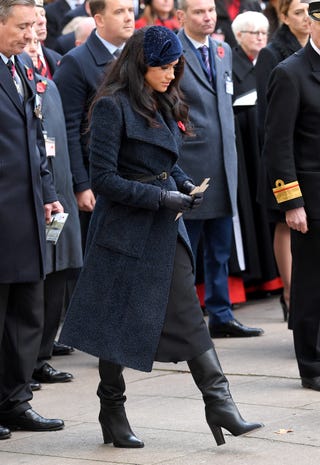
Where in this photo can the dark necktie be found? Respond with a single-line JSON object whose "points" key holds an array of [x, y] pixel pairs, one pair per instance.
{"points": [[204, 51], [117, 52], [16, 79]]}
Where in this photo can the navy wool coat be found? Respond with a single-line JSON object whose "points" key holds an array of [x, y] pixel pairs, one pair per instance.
{"points": [[119, 305]]}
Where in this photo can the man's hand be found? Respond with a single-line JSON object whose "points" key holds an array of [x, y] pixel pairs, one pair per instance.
{"points": [[49, 208], [86, 200], [297, 219]]}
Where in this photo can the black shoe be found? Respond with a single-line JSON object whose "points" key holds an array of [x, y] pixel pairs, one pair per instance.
{"points": [[61, 349], [32, 421], [234, 328], [4, 433], [35, 386], [311, 383], [47, 374]]}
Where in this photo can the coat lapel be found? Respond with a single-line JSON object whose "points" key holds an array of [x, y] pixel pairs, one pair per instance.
{"points": [[6, 82], [99, 52], [166, 135]]}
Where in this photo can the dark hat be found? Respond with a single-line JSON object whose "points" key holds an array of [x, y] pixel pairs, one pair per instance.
{"points": [[161, 46], [314, 10]]}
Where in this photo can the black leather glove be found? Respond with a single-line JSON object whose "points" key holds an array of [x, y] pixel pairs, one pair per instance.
{"points": [[197, 200], [187, 187], [175, 200]]}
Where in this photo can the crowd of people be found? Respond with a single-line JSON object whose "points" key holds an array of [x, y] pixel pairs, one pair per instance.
{"points": [[180, 138]]}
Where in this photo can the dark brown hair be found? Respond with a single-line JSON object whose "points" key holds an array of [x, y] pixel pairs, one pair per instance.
{"points": [[127, 74]]}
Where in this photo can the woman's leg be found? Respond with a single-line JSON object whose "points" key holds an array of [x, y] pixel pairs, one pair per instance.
{"points": [[112, 417], [220, 408], [282, 253]]}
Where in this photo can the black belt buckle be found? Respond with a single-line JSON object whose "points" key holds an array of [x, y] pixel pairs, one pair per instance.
{"points": [[162, 176]]}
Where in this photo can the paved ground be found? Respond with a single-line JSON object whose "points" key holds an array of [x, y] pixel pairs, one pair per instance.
{"points": [[165, 409]]}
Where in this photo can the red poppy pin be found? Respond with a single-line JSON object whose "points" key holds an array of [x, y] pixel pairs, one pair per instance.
{"points": [[41, 86], [181, 126], [29, 73], [220, 51]]}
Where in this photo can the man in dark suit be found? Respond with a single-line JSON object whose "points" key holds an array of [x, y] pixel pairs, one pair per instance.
{"points": [[207, 86], [27, 199], [78, 77], [292, 157]]}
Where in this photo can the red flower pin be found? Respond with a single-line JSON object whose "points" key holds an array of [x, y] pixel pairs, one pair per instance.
{"points": [[181, 126], [29, 73], [220, 51], [41, 87]]}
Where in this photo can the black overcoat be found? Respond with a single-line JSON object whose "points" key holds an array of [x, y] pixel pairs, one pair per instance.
{"points": [[119, 305], [25, 182], [294, 97]]}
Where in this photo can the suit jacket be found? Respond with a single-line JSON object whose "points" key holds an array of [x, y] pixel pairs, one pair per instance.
{"points": [[211, 152], [25, 182], [292, 140], [80, 72], [55, 12], [65, 43], [52, 58], [128, 232]]}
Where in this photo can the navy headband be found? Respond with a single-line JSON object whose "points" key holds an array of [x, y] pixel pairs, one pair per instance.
{"points": [[161, 46]]}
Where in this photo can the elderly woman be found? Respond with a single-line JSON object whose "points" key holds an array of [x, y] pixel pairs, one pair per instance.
{"points": [[251, 31]]}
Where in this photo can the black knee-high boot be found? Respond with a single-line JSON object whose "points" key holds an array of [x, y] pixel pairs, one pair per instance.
{"points": [[112, 417], [220, 408]]}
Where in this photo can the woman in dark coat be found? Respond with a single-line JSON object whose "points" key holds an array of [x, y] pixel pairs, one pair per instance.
{"points": [[291, 36], [135, 300]]}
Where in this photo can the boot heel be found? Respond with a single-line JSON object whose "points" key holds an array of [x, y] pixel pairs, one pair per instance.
{"points": [[107, 438], [217, 434]]}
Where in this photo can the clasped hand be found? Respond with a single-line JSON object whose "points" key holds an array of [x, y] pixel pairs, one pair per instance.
{"points": [[179, 202]]}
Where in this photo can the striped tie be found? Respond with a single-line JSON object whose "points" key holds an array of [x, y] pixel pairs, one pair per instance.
{"points": [[204, 51], [16, 79]]}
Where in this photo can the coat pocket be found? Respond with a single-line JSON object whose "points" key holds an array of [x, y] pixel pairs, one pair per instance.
{"points": [[125, 230]]}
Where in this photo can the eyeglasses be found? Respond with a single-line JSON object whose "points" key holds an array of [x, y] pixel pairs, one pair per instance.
{"points": [[256, 33]]}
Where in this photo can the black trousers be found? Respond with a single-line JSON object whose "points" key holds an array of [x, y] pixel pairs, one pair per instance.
{"points": [[54, 297], [21, 324], [305, 299]]}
